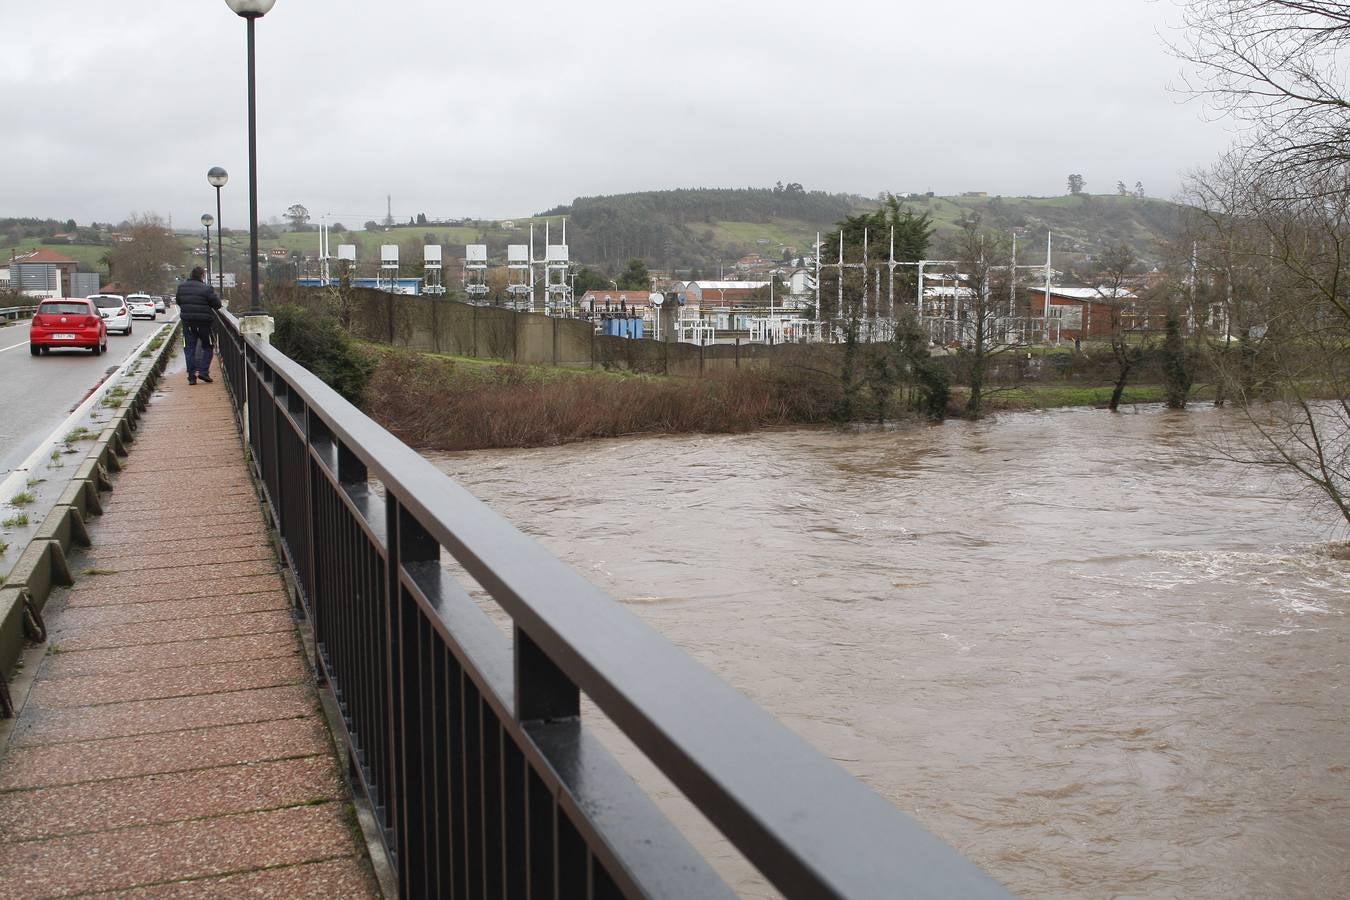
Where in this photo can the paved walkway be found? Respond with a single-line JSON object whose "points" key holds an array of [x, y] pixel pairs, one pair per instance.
{"points": [[172, 744]]}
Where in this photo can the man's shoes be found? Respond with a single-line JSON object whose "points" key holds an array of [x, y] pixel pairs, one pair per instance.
{"points": [[207, 378], [191, 380]]}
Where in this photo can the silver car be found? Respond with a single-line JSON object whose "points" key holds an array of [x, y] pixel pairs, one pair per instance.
{"points": [[114, 310], [142, 305]]}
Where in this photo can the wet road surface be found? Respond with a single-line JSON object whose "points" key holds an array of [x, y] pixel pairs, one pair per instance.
{"points": [[37, 393]]}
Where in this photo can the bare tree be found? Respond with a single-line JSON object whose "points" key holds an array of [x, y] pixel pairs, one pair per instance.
{"points": [[1274, 65], [1275, 248], [983, 330], [1232, 267], [1131, 320], [148, 258]]}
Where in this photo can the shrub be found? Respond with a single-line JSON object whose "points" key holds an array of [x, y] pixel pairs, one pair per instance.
{"points": [[317, 342], [434, 404]]}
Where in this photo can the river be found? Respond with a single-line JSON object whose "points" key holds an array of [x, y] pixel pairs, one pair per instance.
{"points": [[1097, 662]]}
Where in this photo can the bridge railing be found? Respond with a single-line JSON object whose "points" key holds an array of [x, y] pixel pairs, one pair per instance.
{"points": [[469, 742], [17, 312]]}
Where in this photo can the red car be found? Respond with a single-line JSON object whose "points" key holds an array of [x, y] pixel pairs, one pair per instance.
{"points": [[67, 322]]}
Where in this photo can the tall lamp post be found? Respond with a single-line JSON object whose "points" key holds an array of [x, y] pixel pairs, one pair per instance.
{"points": [[251, 10], [207, 221], [216, 177]]}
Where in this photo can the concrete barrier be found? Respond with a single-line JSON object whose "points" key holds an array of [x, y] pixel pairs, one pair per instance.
{"points": [[43, 565]]}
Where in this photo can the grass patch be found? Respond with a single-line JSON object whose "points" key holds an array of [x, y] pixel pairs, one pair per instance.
{"points": [[56, 459], [115, 397], [34, 482], [23, 498], [79, 434], [94, 571], [4, 548], [1048, 396], [16, 521]]}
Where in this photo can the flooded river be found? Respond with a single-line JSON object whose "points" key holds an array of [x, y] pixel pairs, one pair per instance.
{"points": [[1097, 663]]}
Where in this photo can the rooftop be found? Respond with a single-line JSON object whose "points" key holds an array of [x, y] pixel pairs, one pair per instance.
{"points": [[50, 257]]}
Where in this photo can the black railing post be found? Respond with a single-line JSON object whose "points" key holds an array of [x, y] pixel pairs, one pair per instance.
{"points": [[544, 693], [408, 542]]}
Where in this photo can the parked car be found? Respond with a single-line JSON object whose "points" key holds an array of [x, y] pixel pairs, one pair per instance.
{"points": [[142, 305], [67, 322], [113, 308]]}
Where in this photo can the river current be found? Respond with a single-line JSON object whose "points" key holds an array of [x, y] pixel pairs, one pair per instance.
{"points": [[1095, 660]]}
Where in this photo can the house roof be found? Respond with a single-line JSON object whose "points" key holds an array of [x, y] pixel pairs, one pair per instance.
{"points": [[728, 285], [50, 257], [1090, 293]]}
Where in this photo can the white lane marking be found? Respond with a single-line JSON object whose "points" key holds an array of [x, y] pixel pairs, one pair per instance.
{"points": [[15, 347]]}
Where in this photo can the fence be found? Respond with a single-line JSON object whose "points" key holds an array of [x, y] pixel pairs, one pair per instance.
{"points": [[17, 312], [469, 743]]}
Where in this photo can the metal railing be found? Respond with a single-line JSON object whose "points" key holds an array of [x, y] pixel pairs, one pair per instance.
{"points": [[17, 312], [469, 742]]}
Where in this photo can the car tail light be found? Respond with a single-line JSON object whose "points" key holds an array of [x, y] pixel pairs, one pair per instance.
{"points": [[91, 320], [122, 311]]}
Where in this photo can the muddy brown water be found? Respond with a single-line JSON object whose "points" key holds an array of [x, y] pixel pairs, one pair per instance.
{"points": [[1093, 660]]}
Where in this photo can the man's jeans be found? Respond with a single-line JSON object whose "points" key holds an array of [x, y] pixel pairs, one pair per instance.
{"points": [[197, 349]]}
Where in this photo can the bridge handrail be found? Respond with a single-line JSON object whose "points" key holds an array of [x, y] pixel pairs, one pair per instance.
{"points": [[16, 311], [532, 797]]}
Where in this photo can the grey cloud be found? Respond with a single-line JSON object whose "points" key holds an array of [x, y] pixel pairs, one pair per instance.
{"points": [[499, 110]]}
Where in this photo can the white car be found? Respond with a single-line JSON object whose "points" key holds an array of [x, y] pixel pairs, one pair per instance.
{"points": [[142, 305], [114, 310], [161, 304]]}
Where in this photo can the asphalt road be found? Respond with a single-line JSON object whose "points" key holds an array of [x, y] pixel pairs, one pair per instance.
{"points": [[37, 393]]}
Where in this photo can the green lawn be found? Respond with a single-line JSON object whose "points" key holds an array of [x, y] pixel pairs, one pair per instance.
{"points": [[1046, 396], [89, 256], [778, 233]]}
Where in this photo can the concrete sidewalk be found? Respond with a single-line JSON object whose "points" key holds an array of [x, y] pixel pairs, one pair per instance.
{"points": [[173, 743]]}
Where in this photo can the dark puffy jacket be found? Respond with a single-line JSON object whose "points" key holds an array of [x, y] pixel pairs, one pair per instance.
{"points": [[197, 302]]}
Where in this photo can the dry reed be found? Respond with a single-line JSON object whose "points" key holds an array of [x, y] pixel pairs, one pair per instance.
{"points": [[434, 404]]}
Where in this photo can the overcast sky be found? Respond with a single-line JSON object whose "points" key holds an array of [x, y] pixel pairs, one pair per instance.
{"points": [[501, 109]]}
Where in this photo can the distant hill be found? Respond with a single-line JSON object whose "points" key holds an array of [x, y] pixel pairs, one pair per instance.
{"points": [[1083, 225], [700, 229]]}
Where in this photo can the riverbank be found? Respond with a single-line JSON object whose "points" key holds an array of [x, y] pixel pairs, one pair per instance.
{"points": [[435, 402], [1055, 396]]}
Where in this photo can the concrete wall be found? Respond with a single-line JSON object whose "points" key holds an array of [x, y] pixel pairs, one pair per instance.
{"points": [[441, 325]]}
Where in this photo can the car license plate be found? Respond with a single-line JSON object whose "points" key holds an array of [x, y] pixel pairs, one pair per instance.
{"points": [[63, 337]]}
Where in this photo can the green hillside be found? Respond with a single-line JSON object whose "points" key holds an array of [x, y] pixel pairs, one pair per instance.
{"points": [[704, 229], [1083, 225]]}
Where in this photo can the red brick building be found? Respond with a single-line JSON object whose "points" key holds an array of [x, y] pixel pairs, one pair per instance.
{"points": [[705, 294], [1086, 313]]}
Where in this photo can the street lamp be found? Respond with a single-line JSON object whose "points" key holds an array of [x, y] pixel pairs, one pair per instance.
{"points": [[251, 10], [207, 221], [216, 177]]}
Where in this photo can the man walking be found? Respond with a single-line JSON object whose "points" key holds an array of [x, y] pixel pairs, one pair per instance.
{"points": [[197, 305]]}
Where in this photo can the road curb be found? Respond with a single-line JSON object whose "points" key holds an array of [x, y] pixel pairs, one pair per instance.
{"points": [[43, 564]]}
